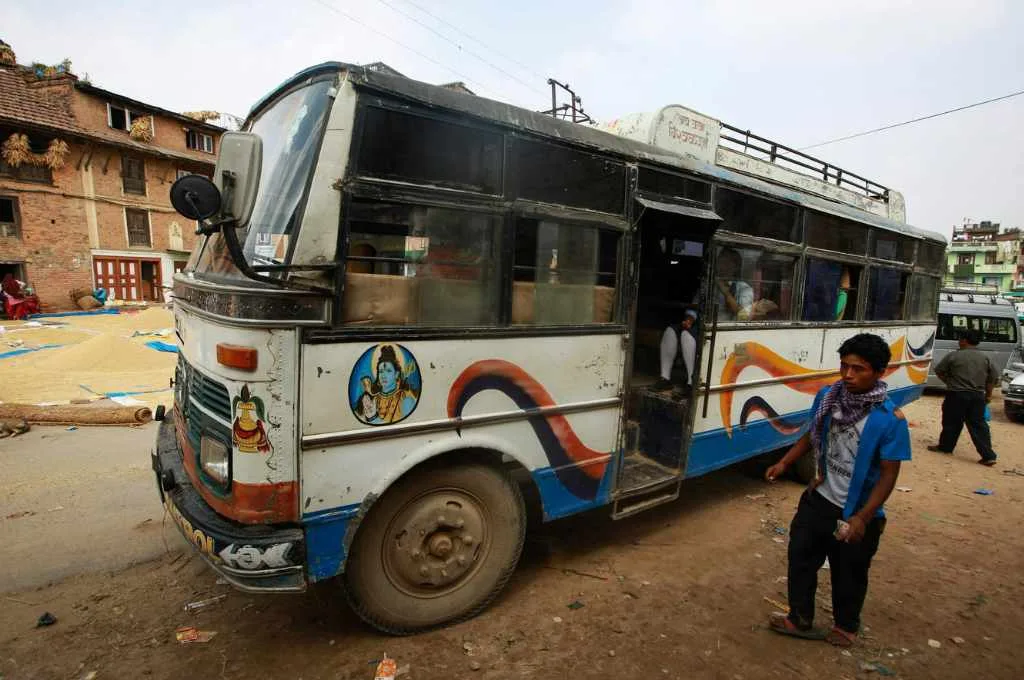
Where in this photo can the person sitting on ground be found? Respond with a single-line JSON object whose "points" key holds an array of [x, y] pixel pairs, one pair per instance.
{"points": [[970, 377], [859, 439], [673, 343]]}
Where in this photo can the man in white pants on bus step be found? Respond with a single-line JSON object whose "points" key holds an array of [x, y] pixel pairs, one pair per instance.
{"points": [[672, 343]]}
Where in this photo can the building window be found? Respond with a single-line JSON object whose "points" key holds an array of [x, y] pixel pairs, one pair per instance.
{"points": [[417, 265], [138, 228], [563, 274], [198, 141], [9, 217], [121, 118], [133, 175], [990, 257], [965, 258]]}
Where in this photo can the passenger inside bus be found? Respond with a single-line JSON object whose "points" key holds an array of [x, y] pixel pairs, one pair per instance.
{"points": [[678, 355], [735, 297]]}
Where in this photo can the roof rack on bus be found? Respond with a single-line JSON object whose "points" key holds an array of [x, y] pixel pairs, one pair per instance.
{"points": [[787, 157], [969, 288], [688, 133]]}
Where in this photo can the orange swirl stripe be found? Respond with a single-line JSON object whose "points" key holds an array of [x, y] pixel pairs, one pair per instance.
{"points": [[748, 354]]}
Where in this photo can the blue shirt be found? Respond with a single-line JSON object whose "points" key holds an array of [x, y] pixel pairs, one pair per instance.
{"points": [[885, 437]]}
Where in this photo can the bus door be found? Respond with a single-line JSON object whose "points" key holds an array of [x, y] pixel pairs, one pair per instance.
{"points": [[671, 249]]}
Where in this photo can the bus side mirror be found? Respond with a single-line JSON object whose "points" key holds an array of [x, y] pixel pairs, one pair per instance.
{"points": [[195, 197], [237, 176]]}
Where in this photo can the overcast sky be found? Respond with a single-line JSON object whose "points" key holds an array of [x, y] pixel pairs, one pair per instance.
{"points": [[798, 71]]}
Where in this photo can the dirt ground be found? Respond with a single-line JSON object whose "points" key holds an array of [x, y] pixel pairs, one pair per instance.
{"points": [[679, 592]]}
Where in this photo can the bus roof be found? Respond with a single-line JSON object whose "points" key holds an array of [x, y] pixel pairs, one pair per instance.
{"points": [[548, 126]]}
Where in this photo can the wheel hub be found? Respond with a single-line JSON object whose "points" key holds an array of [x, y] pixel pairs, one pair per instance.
{"points": [[437, 539]]}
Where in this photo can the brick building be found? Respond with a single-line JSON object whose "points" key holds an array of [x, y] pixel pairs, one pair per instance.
{"points": [[85, 202]]}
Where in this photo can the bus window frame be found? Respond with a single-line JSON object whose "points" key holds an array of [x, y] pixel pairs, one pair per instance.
{"points": [[506, 213], [363, 107]]}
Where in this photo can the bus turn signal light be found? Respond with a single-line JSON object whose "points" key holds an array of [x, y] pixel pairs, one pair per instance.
{"points": [[236, 356]]}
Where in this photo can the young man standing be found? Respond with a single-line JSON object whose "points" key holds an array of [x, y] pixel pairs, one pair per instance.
{"points": [[970, 377], [859, 438]]}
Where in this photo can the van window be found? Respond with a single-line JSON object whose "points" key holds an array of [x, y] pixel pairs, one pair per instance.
{"points": [[993, 329]]}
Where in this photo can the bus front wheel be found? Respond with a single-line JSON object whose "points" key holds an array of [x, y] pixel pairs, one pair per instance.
{"points": [[436, 548]]}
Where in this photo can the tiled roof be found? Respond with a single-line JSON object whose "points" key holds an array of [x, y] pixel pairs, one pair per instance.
{"points": [[20, 103], [24, 104]]}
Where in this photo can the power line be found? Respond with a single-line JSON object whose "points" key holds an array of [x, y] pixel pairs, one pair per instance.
{"points": [[460, 47], [915, 120], [476, 40], [397, 42]]}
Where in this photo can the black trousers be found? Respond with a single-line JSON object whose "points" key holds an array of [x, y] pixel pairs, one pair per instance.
{"points": [[966, 407], [811, 540]]}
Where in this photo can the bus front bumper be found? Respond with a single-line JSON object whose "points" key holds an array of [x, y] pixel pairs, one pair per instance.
{"points": [[252, 558]]}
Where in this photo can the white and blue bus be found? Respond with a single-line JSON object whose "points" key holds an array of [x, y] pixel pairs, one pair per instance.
{"points": [[412, 305]]}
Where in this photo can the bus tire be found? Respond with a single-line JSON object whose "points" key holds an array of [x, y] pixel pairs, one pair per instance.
{"points": [[436, 548], [806, 467]]}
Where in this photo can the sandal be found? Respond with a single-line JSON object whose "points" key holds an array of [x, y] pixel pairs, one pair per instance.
{"points": [[838, 637], [781, 624]]}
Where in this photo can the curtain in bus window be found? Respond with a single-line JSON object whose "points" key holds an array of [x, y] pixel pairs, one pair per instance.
{"points": [[821, 291], [885, 295], [753, 284], [563, 274], [421, 265]]}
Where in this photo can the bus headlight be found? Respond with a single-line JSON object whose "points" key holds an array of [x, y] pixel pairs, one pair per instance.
{"points": [[213, 459]]}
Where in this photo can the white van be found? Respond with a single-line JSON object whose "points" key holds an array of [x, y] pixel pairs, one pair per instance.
{"points": [[962, 309]]}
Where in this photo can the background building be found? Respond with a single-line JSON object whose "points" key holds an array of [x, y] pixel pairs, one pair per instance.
{"points": [[981, 253], [84, 180]]}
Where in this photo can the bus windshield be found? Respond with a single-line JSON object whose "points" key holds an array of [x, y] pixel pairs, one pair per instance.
{"points": [[291, 129]]}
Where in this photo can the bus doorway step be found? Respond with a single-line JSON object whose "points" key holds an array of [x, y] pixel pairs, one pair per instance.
{"points": [[636, 503]]}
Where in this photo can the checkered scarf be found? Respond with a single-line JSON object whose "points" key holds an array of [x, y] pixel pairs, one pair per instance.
{"points": [[852, 407]]}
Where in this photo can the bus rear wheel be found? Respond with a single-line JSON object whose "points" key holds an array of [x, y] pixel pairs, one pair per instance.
{"points": [[435, 549]]}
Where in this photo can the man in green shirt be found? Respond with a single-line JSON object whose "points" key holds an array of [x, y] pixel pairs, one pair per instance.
{"points": [[970, 377]]}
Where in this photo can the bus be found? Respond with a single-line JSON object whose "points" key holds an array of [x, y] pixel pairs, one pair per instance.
{"points": [[413, 308]]}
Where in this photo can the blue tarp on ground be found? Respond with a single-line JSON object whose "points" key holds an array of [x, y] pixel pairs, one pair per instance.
{"points": [[162, 346], [94, 312], [25, 350]]}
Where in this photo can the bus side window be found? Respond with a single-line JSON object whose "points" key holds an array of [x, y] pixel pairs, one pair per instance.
{"points": [[885, 294], [830, 291], [417, 265], [563, 273], [753, 285]]}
